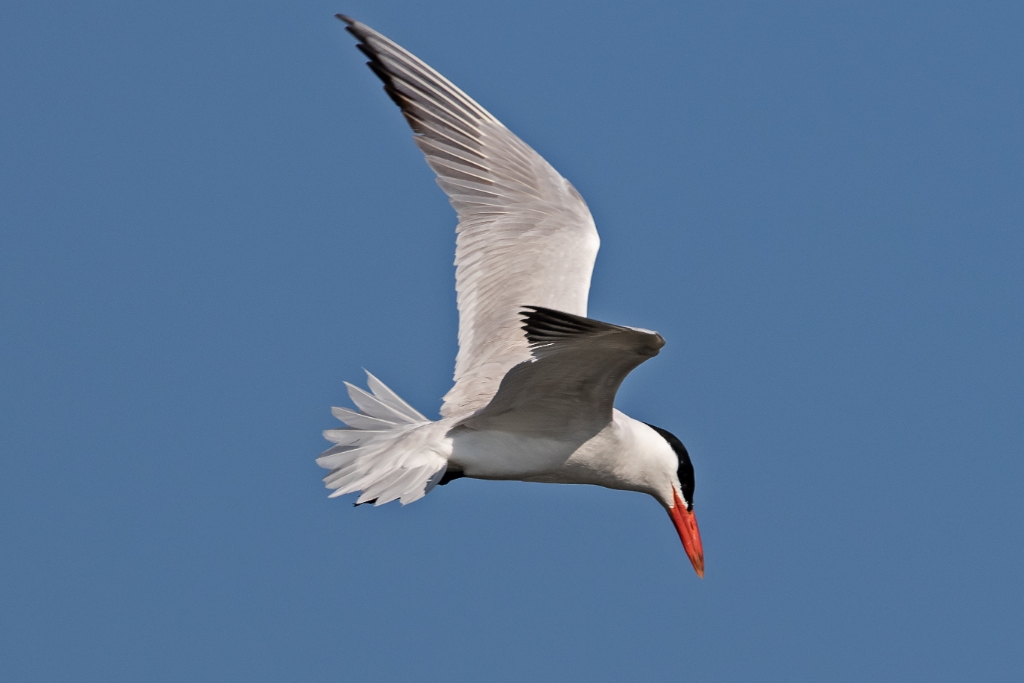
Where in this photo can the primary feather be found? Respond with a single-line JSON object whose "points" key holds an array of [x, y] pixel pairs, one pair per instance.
{"points": [[525, 235]]}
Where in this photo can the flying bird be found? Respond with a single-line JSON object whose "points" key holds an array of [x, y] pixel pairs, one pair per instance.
{"points": [[535, 379]]}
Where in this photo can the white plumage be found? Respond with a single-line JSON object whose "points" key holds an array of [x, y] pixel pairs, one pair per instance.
{"points": [[535, 379]]}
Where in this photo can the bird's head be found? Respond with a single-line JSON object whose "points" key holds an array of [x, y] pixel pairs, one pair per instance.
{"points": [[677, 497]]}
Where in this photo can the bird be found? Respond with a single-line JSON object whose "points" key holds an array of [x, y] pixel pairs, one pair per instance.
{"points": [[535, 378]]}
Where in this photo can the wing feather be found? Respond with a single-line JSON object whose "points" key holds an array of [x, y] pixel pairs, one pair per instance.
{"points": [[569, 385], [525, 236]]}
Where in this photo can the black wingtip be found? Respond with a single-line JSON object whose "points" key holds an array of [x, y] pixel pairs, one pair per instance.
{"points": [[367, 49], [545, 325]]}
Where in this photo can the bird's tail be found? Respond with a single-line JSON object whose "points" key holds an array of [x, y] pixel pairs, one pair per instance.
{"points": [[389, 451]]}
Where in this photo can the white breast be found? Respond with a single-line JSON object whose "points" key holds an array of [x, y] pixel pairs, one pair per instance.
{"points": [[627, 455], [492, 454]]}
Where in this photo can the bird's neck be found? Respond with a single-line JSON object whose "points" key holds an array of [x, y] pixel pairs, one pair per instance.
{"points": [[626, 455]]}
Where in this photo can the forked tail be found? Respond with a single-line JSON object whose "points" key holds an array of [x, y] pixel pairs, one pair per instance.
{"points": [[389, 451]]}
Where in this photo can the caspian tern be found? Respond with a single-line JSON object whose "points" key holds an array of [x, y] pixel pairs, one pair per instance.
{"points": [[535, 379]]}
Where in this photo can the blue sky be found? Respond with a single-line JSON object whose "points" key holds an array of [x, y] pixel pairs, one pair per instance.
{"points": [[211, 216]]}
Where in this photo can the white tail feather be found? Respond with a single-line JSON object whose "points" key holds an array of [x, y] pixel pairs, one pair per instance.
{"points": [[359, 420], [350, 438], [389, 450], [392, 399], [373, 406]]}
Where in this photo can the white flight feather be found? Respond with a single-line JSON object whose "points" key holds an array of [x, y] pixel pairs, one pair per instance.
{"points": [[525, 236], [389, 451]]}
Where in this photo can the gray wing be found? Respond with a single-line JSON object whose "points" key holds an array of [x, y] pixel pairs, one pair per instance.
{"points": [[525, 236], [569, 386]]}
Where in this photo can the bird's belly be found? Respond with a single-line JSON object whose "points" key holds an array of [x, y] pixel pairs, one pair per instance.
{"points": [[487, 454]]}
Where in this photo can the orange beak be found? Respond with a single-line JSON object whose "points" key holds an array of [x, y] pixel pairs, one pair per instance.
{"points": [[686, 524]]}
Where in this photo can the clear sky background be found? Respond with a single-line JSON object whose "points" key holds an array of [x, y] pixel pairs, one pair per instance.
{"points": [[211, 216]]}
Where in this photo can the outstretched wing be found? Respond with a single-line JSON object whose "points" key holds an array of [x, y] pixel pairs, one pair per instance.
{"points": [[525, 236], [569, 386]]}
